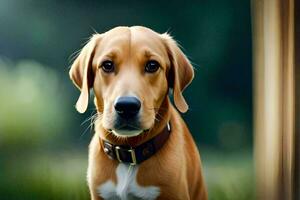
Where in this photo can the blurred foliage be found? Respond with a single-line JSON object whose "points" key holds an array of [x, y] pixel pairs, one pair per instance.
{"points": [[30, 111], [43, 141]]}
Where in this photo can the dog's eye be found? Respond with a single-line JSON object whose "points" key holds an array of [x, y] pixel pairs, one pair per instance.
{"points": [[151, 66], [108, 66]]}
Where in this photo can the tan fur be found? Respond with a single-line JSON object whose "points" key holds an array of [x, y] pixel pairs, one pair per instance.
{"points": [[176, 168]]}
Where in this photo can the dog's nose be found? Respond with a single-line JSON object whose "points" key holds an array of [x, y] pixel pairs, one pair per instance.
{"points": [[127, 106]]}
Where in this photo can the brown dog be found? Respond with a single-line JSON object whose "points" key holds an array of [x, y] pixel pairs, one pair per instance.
{"points": [[142, 148]]}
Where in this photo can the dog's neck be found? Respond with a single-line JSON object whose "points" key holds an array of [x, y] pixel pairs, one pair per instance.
{"points": [[162, 116]]}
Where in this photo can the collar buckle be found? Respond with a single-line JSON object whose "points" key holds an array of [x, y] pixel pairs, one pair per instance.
{"points": [[132, 155]]}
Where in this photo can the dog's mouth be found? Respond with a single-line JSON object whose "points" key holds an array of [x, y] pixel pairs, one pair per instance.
{"points": [[126, 133], [126, 126], [127, 130]]}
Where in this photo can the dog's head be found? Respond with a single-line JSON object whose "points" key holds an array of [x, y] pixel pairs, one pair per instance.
{"points": [[130, 70]]}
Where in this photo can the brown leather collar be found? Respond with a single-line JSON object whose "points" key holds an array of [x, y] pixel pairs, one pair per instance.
{"points": [[138, 154]]}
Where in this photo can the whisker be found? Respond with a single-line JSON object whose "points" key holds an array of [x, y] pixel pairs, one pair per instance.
{"points": [[92, 120], [88, 119]]}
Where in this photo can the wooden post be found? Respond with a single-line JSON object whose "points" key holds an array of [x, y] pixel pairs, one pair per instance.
{"points": [[274, 98], [296, 166]]}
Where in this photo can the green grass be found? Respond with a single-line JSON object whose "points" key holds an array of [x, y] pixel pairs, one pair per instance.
{"points": [[45, 177], [229, 176], [62, 176]]}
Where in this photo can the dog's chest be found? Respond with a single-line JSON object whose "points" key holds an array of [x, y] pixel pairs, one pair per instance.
{"points": [[127, 187]]}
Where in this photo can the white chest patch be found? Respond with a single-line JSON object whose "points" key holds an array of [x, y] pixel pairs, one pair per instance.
{"points": [[127, 187]]}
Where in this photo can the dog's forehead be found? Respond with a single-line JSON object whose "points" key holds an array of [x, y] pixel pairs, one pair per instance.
{"points": [[134, 39]]}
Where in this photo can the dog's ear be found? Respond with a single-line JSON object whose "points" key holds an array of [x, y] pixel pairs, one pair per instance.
{"points": [[81, 72], [181, 72]]}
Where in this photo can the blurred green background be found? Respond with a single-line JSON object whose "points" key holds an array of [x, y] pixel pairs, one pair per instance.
{"points": [[43, 141]]}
